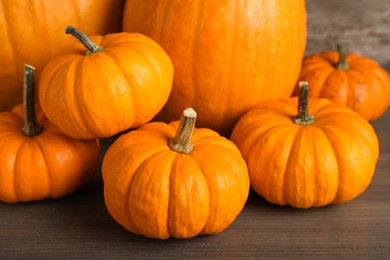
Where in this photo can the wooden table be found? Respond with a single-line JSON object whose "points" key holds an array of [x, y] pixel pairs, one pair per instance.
{"points": [[79, 226]]}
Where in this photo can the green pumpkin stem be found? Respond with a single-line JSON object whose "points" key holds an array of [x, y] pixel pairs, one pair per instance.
{"points": [[303, 117], [84, 39], [182, 141], [342, 63], [31, 127]]}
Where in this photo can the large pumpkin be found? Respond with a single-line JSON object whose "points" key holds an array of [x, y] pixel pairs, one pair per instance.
{"points": [[104, 85], [165, 180], [37, 160], [30, 31], [227, 55], [327, 156]]}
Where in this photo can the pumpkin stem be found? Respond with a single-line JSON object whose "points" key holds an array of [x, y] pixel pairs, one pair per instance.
{"points": [[342, 63], [84, 39], [303, 117], [31, 127], [182, 141]]}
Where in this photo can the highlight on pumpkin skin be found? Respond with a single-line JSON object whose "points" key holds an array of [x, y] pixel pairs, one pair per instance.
{"points": [[173, 180]]}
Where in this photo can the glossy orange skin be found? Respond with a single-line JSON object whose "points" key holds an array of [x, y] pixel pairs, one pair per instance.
{"points": [[49, 165], [364, 86], [328, 162], [32, 32], [100, 94], [157, 192], [228, 55]]}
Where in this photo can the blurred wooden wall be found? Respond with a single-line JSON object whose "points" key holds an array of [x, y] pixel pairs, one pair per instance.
{"points": [[364, 25]]}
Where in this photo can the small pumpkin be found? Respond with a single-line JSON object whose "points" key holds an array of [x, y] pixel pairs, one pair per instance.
{"points": [[228, 55], [165, 180], [310, 160], [29, 33], [348, 79], [121, 81], [37, 160]]}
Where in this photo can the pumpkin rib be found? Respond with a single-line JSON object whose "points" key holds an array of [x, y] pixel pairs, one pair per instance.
{"points": [[338, 75], [367, 152], [46, 163], [164, 14], [5, 148], [8, 28], [331, 196], [211, 225], [90, 127], [252, 149], [155, 70], [45, 90], [307, 185], [201, 214], [288, 162], [20, 175], [355, 103], [140, 214], [194, 51], [129, 190], [115, 155], [77, 92], [232, 68]]}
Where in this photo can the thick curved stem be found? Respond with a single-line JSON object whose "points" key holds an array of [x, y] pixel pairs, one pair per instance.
{"points": [[303, 117], [31, 127], [342, 63], [182, 141], [84, 39]]}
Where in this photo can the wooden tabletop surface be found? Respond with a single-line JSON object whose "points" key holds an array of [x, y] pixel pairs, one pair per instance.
{"points": [[79, 226]]}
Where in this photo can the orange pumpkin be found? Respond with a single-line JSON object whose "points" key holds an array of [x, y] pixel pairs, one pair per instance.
{"points": [[227, 55], [307, 160], [348, 79], [37, 160], [161, 184], [30, 32], [122, 81]]}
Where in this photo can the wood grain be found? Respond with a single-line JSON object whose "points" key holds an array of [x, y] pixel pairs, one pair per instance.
{"points": [[79, 226]]}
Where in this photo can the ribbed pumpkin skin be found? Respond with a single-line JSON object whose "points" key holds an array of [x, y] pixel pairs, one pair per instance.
{"points": [[364, 86], [331, 161], [227, 55], [32, 32], [49, 165], [157, 192], [101, 94]]}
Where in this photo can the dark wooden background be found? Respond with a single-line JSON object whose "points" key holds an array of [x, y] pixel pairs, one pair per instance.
{"points": [[79, 226]]}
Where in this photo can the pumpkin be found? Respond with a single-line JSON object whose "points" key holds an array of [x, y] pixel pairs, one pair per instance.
{"points": [[357, 82], [104, 85], [37, 160], [228, 55], [327, 156], [165, 180], [29, 33]]}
